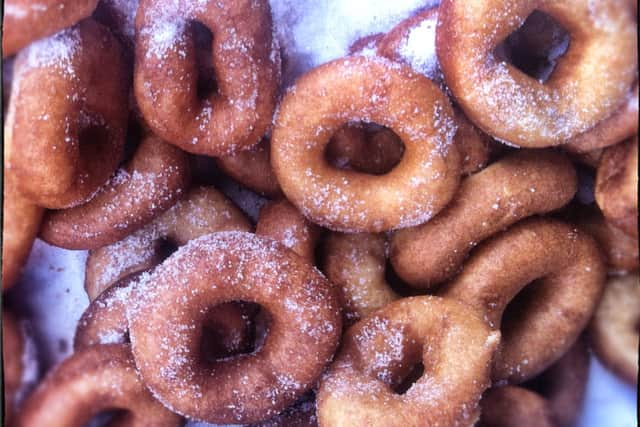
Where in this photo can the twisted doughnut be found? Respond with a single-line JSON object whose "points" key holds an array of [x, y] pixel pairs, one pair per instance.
{"points": [[377, 353], [25, 21], [516, 108], [568, 273], [202, 211], [614, 328], [147, 185], [522, 184], [372, 90], [67, 140], [247, 65], [617, 186], [303, 333], [96, 379]]}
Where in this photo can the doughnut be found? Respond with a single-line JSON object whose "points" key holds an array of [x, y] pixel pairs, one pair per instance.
{"points": [[619, 249], [539, 323], [303, 333], [619, 126], [301, 414], [616, 189], [203, 210], [283, 223], [379, 353], [552, 399], [521, 184], [588, 84], [20, 224], [356, 263], [105, 322], [150, 183], [614, 328], [372, 90], [252, 169], [26, 21], [67, 140], [91, 382], [247, 69]]}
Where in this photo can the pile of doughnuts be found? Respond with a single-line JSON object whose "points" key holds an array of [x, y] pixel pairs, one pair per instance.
{"points": [[431, 230]]}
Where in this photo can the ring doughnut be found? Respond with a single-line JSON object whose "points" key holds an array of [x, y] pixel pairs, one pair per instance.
{"points": [[553, 399], [568, 271], [105, 322], [147, 185], [303, 334], [252, 169], [378, 353], [621, 125], [356, 263], [614, 328], [25, 21], [282, 222], [617, 186], [202, 211], [247, 65], [67, 140], [516, 108], [373, 90], [96, 379], [520, 185]]}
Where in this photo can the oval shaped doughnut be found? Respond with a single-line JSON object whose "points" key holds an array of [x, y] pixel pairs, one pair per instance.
{"points": [[568, 272], [518, 109], [247, 67], [620, 125], [553, 399], [25, 21], [150, 183], [521, 184], [453, 344], [356, 264], [105, 322], [616, 189], [203, 210], [252, 169], [68, 115], [96, 379], [303, 333], [614, 328], [372, 90], [282, 222]]}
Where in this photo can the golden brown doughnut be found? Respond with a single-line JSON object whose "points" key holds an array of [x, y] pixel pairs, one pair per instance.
{"points": [[252, 169], [539, 323], [282, 222], [303, 333], [617, 185], [522, 184], [371, 90], [513, 406], [150, 183], [614, 328], [588, 84], [246, 62], [67, 115], [356, 264], [202, 211], [97, 379], [26, 21], [454, 346]]}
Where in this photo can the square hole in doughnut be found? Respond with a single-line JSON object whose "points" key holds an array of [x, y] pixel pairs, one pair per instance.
{"points": [[364, 147], [536, 46], [203, 38]]}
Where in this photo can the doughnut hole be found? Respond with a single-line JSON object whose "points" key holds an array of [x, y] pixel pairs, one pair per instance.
{"points": [[536, 46], [365, 147], [206, 82], [414, 375], [94, 142]]}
